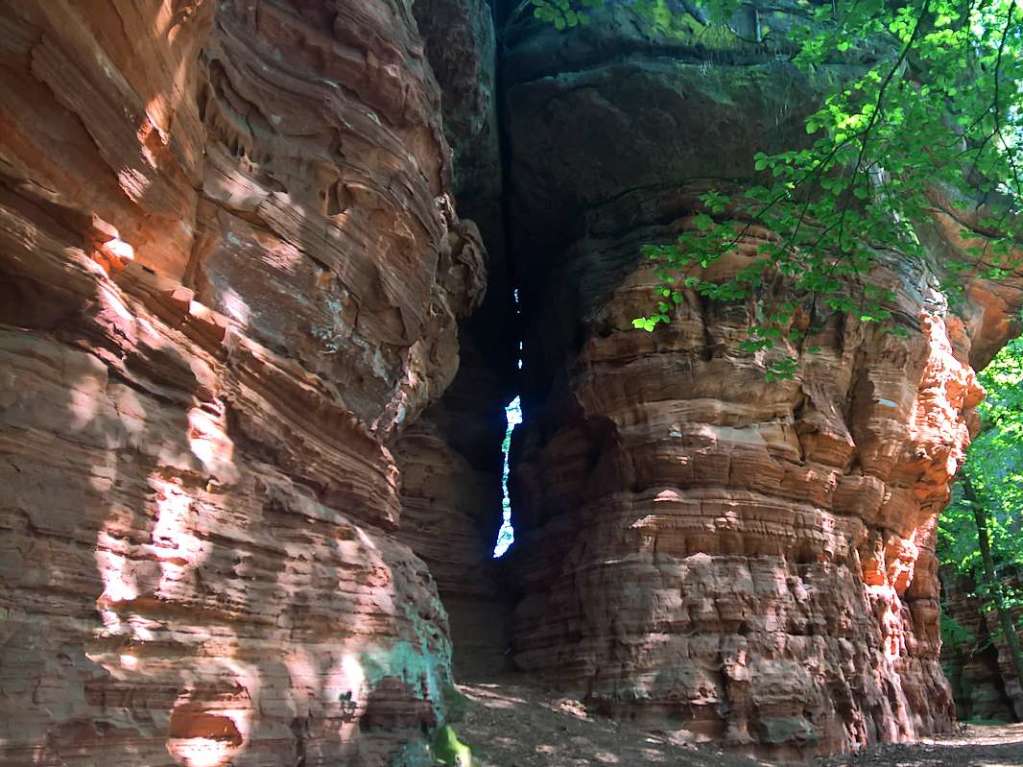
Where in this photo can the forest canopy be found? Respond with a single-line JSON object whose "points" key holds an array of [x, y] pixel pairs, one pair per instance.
{"points": [[989, 497]]}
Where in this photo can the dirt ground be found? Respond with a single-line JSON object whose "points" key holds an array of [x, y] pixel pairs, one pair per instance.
{"points": [[510, 724], [973, 746]]}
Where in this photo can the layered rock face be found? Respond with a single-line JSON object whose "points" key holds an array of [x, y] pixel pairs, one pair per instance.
{"points": [[230, 272], [702, 550], [450, 460], [231, 491], [981, 684]]}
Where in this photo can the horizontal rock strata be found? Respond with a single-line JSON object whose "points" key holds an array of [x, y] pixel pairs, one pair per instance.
{"points": [[702, 550], [239, 473], [450, 460], [975, 656], [230, 273]]}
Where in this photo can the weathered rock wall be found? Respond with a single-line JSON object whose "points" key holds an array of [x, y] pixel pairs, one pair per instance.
{"points": [[450, 460], [231, 490], [230, 272], [978, 662], [701, 550]]}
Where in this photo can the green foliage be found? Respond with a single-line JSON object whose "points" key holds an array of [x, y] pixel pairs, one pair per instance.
{"points": [[449, 750], [937, 105], [665, 17], [563, 14], [995, 468], [955, 634]]}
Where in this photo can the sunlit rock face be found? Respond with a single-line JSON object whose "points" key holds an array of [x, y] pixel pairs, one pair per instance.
{"points": [[231, 490], [699, 549], [230, 272]]}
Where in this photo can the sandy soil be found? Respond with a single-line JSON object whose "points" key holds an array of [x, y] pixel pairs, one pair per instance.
{"points": [[510, 724], [972, 746]]}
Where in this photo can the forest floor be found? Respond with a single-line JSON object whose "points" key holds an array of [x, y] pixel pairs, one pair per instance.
{"points": [[510, 724], [973, 745]]}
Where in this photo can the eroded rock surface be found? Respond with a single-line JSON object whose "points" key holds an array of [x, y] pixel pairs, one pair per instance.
{"points": [[977, 660], [230, 272], [231, 491], [702, 550], [451, 459]]}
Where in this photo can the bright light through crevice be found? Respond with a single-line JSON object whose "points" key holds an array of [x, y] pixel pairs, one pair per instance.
{"points": [[513, 413], [506, 535]]}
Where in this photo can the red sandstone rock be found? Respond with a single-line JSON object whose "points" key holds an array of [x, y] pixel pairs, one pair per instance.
{"points": [[229, 273], [701, 559], [450, 460], [707, 552]]}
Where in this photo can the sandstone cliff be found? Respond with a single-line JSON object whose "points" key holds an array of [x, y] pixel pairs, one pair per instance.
{"points": [[977, 660], [450, 459], [702, 551], [242, 486], [231, 271]]}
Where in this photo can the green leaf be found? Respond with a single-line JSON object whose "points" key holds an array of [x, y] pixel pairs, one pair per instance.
{"points": [[703, 222]]}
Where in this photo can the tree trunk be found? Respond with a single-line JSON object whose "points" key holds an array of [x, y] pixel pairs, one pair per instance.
{"points": [[993, 584]]}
